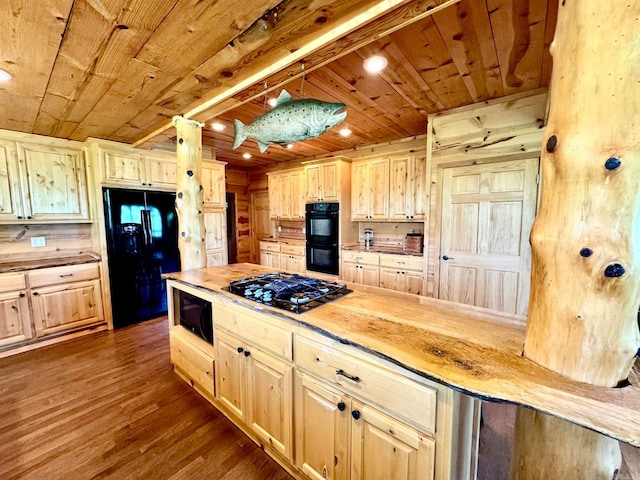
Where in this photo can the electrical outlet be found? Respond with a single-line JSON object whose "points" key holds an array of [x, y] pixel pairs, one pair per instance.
{"points": [[38, 242]]}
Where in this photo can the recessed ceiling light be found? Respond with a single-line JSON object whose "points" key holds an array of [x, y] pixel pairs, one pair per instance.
{"points": [[375, 64], [345, 132], [246, 156], [218, 127], [273, 101], [5, 76]]}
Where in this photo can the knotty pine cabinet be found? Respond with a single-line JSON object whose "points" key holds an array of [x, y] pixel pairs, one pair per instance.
{"points": [[270, 254], [407, 187], [370, 190], [193, 358], [15, 320], [293, 258], [287, 194], [213, 185], [65, 298], [42, 183], [215, 239], [254, 375], [360, 267], [323, 182], [403, 273]]}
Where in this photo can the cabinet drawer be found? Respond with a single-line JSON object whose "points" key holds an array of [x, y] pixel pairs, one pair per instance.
{"points": [[404, 262], [292, 249], [400, 396], [362, 258], [266, 335], [68, 274], [12, 281], [193, 362], [270, 247]]}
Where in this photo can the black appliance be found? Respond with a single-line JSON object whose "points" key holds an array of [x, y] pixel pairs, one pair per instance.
{"points": [[142, 243], [288, 291], [322, 237], [195, 314]]}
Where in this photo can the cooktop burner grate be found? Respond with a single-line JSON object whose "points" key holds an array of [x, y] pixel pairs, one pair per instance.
{"points": [[288, 291]]}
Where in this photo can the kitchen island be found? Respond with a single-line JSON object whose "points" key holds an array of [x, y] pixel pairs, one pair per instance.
{"points": [[467, 349]]}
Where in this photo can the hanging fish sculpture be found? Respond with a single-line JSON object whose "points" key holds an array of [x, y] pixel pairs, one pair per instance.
{"points": [[290, 121]]}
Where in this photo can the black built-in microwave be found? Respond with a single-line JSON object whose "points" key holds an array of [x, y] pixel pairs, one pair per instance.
{"points": [[195, 314]]}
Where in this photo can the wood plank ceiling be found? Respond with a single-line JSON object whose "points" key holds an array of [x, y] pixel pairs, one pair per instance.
{"points": [[121, 69]]}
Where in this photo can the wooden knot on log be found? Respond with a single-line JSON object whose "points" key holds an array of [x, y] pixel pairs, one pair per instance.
{"points": [[190, 173], [586, 252], [612, 163], [180, 141], [614, 270], [552, 143]]}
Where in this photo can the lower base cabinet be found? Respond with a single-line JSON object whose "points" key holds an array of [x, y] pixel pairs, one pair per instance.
{"points": [[193, 360]]}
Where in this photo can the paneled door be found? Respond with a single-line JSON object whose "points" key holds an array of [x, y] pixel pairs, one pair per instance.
{"points": [[487, 214]]}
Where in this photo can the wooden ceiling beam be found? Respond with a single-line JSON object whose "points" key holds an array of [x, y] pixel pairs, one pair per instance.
{"points": [[297, 50]]}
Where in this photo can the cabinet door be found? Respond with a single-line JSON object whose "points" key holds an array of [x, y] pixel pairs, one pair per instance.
{"points": [[162, 172], [270, 396], [419, 190], [230, 373], [400, 194], [391, 279], [413, 282], [329, 182], [124, 168], [350, 272], [270, 259], [215, 259], [313, 183], [215, 238], [360, 193], [66, 306], [298, 264], [379, 189], [10, 192], [383, 448], [298, 194], [54, 182], [370, 275], [322, 430], [213, 184], [15, 321]]}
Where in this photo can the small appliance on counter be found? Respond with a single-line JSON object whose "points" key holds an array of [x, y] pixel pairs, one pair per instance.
{"points": [[368, 235], [414, 242]]}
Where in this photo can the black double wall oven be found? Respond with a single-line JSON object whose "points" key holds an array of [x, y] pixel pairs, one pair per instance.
{"points": [[322, 237]]}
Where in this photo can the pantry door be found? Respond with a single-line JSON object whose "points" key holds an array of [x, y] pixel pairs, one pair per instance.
{"points": [[487, 214]]}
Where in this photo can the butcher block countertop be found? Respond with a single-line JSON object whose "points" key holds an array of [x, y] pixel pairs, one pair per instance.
{"points": [[47, 262], [470, 349]]}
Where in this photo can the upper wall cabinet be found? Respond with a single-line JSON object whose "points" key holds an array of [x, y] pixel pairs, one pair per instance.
{"points": [[287, 195], [213, 184], [323, 183], [407, 193], [370, 190], [42, 183], [123, 166]]}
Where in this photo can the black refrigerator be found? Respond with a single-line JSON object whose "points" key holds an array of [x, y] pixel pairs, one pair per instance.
{"points": [[142, 244]]}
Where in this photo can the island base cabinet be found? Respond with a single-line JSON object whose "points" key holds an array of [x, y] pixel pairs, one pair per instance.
{"points": [[193, 363], [257, 388], [383, 448], [64, 307]]}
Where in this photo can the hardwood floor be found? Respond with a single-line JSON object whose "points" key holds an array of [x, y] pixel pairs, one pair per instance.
{"points": [[109, 406]]}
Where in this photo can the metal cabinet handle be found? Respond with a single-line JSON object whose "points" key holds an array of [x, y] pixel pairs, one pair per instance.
{"points": [[355, 414], [344, 374], [247, 353], [444, 257], [341, 406], [66, 275], [240, 349]]}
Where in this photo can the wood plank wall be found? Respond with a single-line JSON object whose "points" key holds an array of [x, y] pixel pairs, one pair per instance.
{"points": [[61, 240], [509, 128]]}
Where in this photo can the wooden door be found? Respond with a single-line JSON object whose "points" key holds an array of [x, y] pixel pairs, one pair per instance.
{"points": [[487, 214], [230, 373], [370, 275], [10, 194], [322, 430], [379, 189], [270, 399], [260, 222], [66, 306], [54, 182], [391, 279], [383, 448], [15, 321]]}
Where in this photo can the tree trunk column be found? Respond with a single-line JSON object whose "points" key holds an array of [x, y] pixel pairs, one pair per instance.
{"points": [[586, 238], [189, 194]]}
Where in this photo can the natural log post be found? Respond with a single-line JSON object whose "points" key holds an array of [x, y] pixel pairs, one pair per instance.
{"points": [[189, 194], [585, 283]]}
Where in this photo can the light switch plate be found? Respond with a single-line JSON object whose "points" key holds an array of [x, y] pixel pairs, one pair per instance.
{"points": [[38, 242]]}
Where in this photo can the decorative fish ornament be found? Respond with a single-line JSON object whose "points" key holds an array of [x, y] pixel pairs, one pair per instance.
{"points": [[290, 121]]}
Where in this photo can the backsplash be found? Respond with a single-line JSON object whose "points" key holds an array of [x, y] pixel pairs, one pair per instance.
{"points": [[291, 229], [387, 234]]}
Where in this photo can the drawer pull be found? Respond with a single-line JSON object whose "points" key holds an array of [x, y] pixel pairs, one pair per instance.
{"points": [[66, 275], [355, 414], [341, 406], [346, 375], [240, 349]]}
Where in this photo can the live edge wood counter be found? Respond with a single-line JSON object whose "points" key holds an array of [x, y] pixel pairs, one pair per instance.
{"points": [[470, 349]]}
